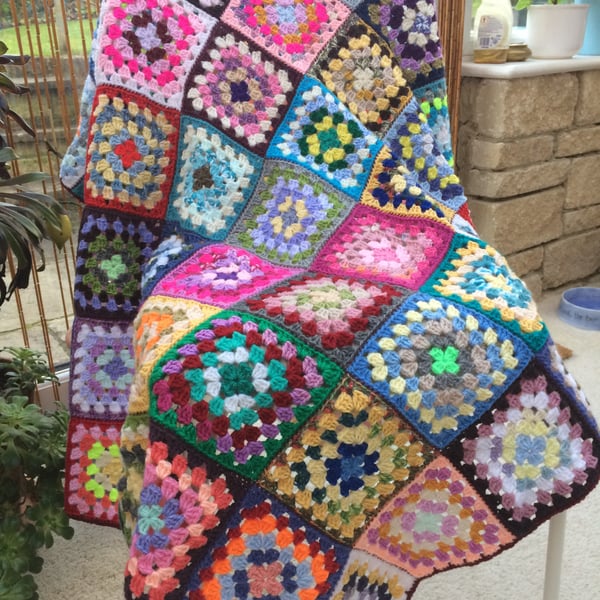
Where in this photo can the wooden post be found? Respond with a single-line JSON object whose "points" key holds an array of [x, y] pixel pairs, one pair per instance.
{"points": [[451, 17]]}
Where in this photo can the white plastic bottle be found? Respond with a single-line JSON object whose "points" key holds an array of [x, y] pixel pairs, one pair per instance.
{"points": [[493, 24]]}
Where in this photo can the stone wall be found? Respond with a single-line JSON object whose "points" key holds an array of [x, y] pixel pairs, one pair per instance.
{"points": [[529, 158]]}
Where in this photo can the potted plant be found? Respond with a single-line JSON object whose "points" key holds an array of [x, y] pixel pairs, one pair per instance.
{"points": [[556, 28], [26, 217], [32, 459], [32, 440]]}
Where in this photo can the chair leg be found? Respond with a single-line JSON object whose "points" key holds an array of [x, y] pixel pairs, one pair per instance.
{"points": [[554, 554]]}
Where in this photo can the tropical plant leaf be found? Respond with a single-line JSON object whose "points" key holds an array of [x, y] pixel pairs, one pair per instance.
{"points": [[7, 154], [3, 48], [25, 178], [14, 59], [8, 84], [25, 126]]}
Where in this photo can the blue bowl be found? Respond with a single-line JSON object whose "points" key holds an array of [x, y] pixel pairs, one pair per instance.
{"points": [[581, 307]]}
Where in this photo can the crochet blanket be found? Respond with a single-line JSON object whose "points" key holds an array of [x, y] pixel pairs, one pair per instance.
{"points": [[297, 372]]}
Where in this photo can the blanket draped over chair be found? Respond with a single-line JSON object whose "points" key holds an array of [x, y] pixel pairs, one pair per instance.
{"points": [[297, 372]]}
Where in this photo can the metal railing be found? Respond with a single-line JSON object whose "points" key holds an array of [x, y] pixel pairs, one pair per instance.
{"points": [[57, 35]]}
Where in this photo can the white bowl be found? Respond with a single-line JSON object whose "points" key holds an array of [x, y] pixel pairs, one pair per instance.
{"points": [[580, 307]]}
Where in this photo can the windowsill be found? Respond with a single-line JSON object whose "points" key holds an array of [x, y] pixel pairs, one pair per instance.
{"points": [[530, 68]]}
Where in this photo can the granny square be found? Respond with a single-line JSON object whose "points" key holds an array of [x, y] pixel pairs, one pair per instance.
{"points": [[292, 30], [111, 252], [181, 504], [347, 462], [411, 28], [131, 153], [321, 134], [390, 188], [382, 247], [221, 275], [363, 73], [368, 577], [150, 47], [215, 177], [335, 314], [73, 165], [101, 377], [161, 322], [436, 522], [172, 250], [291, 208], [550, 358], [267, 552], [238, 388], [440, 365], [412, 140], [474, 273], [238, 88], [528, 456], [93, 470], [433, 102]]}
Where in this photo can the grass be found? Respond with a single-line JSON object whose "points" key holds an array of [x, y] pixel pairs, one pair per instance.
{"points": [[10, 36]]}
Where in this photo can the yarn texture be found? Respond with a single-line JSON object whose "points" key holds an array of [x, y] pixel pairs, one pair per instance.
{"points": [[297, 371]]}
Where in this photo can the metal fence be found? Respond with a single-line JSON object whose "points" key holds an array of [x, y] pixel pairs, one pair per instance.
{"points": [[57, 35]]}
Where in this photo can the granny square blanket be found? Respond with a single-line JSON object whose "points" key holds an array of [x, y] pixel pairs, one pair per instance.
{"points": [[297, 371]]}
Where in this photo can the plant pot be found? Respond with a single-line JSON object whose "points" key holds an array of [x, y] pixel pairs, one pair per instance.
{"points": [[556, 31], [591, 40]]}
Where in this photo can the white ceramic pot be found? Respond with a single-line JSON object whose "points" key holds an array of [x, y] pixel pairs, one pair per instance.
{"points": [[556, 31]]}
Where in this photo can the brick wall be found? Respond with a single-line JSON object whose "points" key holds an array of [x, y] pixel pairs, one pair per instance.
{"points": [[529, 158]]}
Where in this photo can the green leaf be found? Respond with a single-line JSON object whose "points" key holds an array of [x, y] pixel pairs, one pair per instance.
{"points": [[22, 122], [25, 178], [7, 154], [8, 84], [3, 48]]}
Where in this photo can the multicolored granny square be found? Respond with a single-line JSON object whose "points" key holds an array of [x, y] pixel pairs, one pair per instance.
{"points": [[528, 454], [333, 313], [73, 165], [238, 388], [103, 371], [292, 30], [412, 140], [412, 30], [215, 178], [111, 253], [370, 578], [135, 439], [161, 322], [440, 365], [268, 552], [436, 522], [238, 88], [476, 274], [93, 470], [131, 153], [172, 250], [363, 73], [381, 247], [179, 505], [433, 102], [321, 134], [285, 219], [150, 47], [347, 461], [221, 275]]}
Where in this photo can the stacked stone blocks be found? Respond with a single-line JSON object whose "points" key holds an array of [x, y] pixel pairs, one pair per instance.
{"points": [[529, 158]]}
